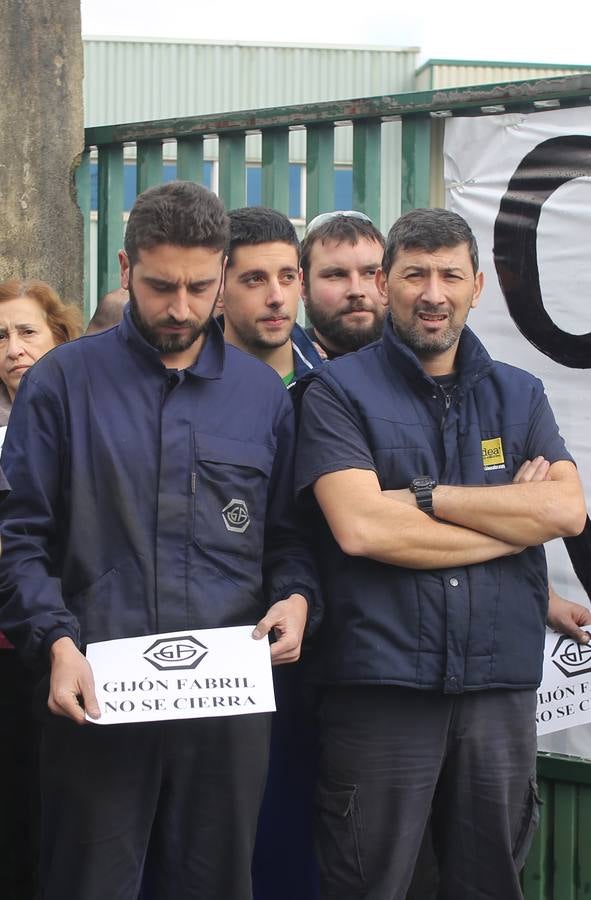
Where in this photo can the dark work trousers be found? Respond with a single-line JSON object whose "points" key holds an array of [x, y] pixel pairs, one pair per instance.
{"points": [[425, 879], [284, 864], [390, 756], [179, 799], [19, 780]]}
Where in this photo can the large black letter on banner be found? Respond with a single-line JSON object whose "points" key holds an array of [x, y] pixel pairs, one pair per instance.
{"points": [[548, 166]]}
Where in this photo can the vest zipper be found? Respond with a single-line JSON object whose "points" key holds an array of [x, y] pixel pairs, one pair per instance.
{"points": [[447, 398]]}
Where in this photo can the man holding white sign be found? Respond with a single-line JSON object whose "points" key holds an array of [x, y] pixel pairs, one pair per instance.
{"points": [[154, 498], [435, 584]]}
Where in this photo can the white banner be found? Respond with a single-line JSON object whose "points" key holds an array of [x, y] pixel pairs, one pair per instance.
{"points": [[182, 675], [564, 696], [517, 179]]}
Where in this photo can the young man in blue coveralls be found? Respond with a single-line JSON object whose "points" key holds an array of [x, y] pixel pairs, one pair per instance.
{"points": [[123, 450], [261, 292], [434, 580], [261, 295]]}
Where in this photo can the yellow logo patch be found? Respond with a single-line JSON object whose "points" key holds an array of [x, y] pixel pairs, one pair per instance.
{"points": [[492, 454]]}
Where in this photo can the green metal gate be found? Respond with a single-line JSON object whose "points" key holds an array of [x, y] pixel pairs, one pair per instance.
{"points": [[559, 865]]}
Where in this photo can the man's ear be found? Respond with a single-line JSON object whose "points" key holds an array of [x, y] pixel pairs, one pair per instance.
{"points": [[303, 291], [124, 269], [478, 285], [381, 284], [219, 304]]}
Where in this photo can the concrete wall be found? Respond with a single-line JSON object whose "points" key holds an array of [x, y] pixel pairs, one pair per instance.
{"points": [[41, 136]]}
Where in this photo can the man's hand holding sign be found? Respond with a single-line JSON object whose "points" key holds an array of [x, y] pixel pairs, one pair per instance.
{"points": [[72, 686]]}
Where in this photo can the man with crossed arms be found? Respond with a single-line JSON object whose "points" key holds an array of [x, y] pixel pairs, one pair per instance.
{"points": [[435, 583]]}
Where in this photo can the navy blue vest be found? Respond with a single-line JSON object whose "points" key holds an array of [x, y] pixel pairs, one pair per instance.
{"points": [[467, 628]]}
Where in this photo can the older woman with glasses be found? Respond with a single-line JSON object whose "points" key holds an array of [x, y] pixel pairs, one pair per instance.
{"points": [[33, 320]]}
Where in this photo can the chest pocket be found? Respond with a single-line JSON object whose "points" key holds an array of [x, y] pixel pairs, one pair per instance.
{"points": [[230, 487]]}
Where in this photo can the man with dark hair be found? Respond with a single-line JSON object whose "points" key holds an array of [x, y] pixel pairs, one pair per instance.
{"points": [[124, 450], [261, 292], [181, 214], [439, 474], [260, 301], [341, 253]]}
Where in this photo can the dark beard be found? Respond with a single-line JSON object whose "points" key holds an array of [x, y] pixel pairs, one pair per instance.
{"points": [[167, 343], [424, 345], [336, 332]]}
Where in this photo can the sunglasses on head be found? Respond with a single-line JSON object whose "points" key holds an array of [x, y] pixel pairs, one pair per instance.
{"points": [[319, 220]]}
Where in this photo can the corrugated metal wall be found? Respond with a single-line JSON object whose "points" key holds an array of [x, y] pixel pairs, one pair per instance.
{"points": [[131, 81], [436, 74]]}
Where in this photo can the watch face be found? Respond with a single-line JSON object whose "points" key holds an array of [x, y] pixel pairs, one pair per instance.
{"points": [[422, 482]]}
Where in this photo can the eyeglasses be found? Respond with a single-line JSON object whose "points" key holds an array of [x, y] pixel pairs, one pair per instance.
{"points": [[319, 220]]}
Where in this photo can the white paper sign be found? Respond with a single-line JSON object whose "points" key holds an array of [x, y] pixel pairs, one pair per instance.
{"points": [[182, 675], [564, 696]]}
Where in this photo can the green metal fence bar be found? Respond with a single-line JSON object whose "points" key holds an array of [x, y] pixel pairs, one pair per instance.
{"points": [[189, 159], [319, 169], [148, 165], [110, 216], [275, 169], [416, 162], [559, 864], [232, 180], [557, 767], [367, 139], [565, 841], [583, 854], [83, 197]]}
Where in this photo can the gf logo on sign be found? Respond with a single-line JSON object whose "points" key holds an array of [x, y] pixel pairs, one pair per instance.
{"points": [[235, 516], [167, 654], [571, 657]]}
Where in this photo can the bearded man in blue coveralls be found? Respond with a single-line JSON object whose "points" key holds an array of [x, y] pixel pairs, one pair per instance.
{"points": [[434, 582], [123, 450]]}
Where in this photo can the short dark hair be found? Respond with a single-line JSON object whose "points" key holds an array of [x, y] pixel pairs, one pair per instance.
{"points": [[429, 229], [253, 225], [180, 213], [341, 229]]}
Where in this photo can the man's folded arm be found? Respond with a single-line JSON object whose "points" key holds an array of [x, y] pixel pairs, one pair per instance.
{"points": [[529, 513], [533, 509], [334, 458], [365, 522]]}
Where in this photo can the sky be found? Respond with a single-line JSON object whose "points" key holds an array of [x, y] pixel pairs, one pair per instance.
{"points": [[514, 30]]}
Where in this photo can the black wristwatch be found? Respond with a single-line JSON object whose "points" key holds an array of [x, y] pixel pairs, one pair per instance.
{"points": [[422, 487]]}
